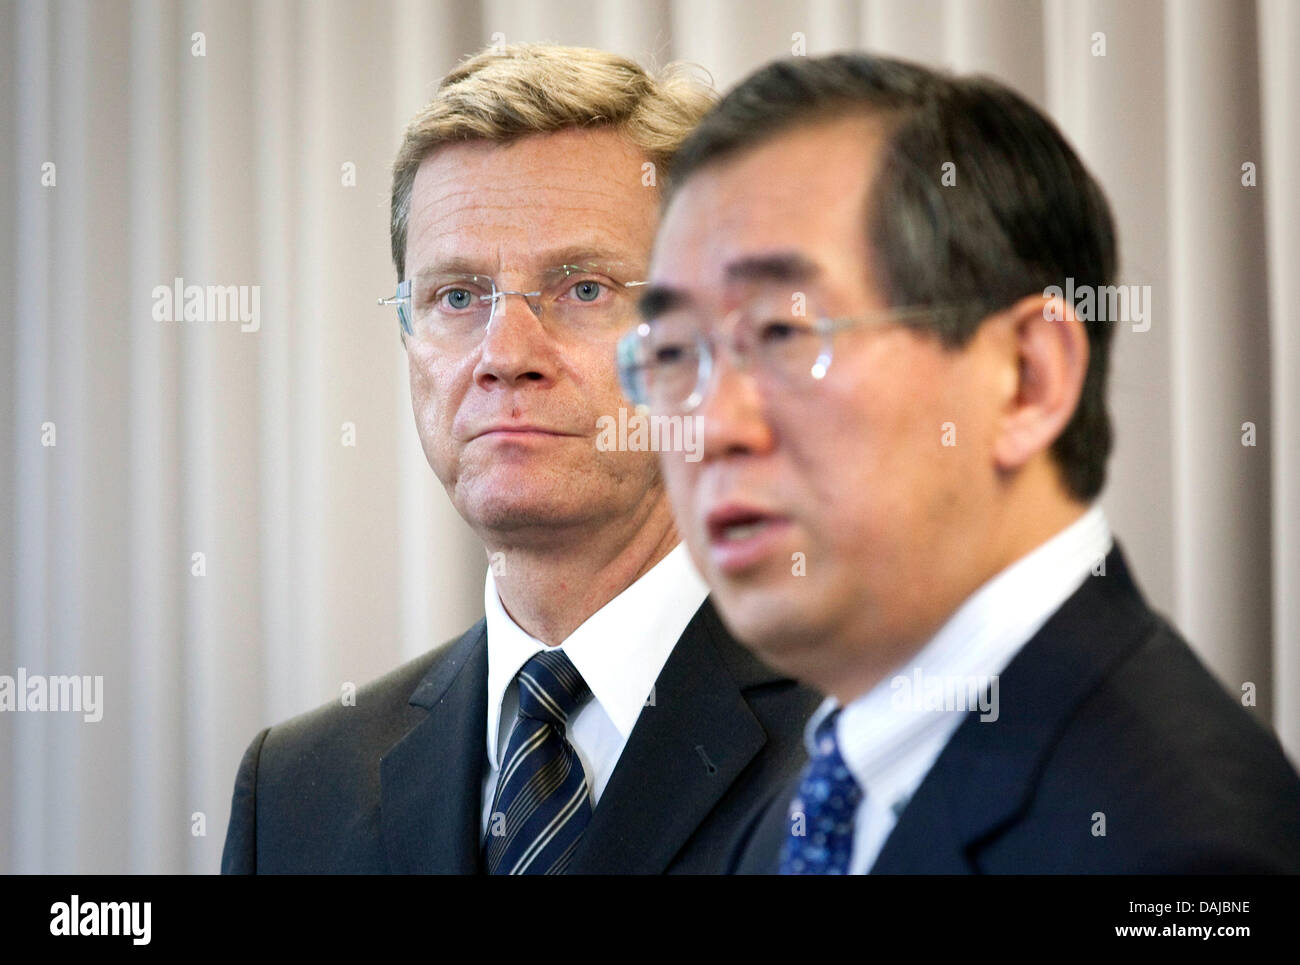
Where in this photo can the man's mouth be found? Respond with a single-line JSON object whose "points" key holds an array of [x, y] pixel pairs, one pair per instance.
{"points": [[519, 429], [737, 520], [742, 535], [738, 531]]}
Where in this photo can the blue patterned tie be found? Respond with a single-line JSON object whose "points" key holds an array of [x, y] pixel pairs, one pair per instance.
{"points": [[820, 841], [542, 804]]}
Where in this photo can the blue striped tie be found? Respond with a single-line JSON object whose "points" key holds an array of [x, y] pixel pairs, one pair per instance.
{"points": [[542, 802], [820, 841]]}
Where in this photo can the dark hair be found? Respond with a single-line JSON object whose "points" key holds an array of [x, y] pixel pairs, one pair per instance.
{"points": [[1022, 215]]}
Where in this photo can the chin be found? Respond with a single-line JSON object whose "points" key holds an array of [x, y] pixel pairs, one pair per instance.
{"points": [[777, 630], [511, 512]]}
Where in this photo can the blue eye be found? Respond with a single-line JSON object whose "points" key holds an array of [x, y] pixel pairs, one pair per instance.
{"points": [[587, 291], [459, 299]]}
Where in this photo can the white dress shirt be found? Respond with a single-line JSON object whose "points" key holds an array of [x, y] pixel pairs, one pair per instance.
{"points": [[619, 652], [892, 735]]}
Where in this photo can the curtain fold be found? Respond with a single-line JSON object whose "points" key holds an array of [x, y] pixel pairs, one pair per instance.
{"points": [[1279, 84]]}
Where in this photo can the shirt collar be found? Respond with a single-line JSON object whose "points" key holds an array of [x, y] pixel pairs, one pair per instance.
{"points": [[619, 650], [876, 731]]}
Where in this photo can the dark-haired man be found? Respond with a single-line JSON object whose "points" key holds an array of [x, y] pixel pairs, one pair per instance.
{"points": [[904, 440]]}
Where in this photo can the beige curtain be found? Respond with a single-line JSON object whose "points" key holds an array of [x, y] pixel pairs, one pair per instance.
{"points": [[248, 144]]}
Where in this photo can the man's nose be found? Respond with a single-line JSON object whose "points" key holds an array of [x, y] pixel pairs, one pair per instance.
{"points": [[733, 413], [516, 347]]}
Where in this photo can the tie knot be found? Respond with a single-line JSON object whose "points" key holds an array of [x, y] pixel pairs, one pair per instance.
{"points": [[550, 688]]}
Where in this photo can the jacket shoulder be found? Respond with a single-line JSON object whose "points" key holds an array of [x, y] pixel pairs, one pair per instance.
{"points": [[379, 705], [1159, 770], [307, 792]]}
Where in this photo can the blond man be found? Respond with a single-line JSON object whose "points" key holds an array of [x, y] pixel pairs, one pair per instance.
{"points": [[599, 718]]}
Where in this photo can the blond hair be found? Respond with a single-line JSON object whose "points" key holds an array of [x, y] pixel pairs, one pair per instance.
{"points": [[503, 94]]}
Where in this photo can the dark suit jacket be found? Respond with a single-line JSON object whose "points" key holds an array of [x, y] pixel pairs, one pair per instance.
{"points": [[1105, 711], [395, 783]]}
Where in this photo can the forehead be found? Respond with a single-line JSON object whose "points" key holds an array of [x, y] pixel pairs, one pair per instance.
{"points": [[507, 204], [800, 194]]}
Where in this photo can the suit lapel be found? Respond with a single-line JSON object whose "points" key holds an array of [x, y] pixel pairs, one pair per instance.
{"points": [[985, 776], [431, 780], [686, 750]]}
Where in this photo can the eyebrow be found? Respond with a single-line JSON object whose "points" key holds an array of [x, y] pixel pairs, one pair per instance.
{"points": [[582, 256], [776, 268], [783, 266], [659, 299], [587, 257], [450, 266]]}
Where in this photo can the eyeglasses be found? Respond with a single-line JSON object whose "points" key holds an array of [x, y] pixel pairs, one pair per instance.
{"points": [[665, 363], [454, 309]]}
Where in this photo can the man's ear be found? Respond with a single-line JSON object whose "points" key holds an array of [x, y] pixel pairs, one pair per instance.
{"points": [[1051, 360]]}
